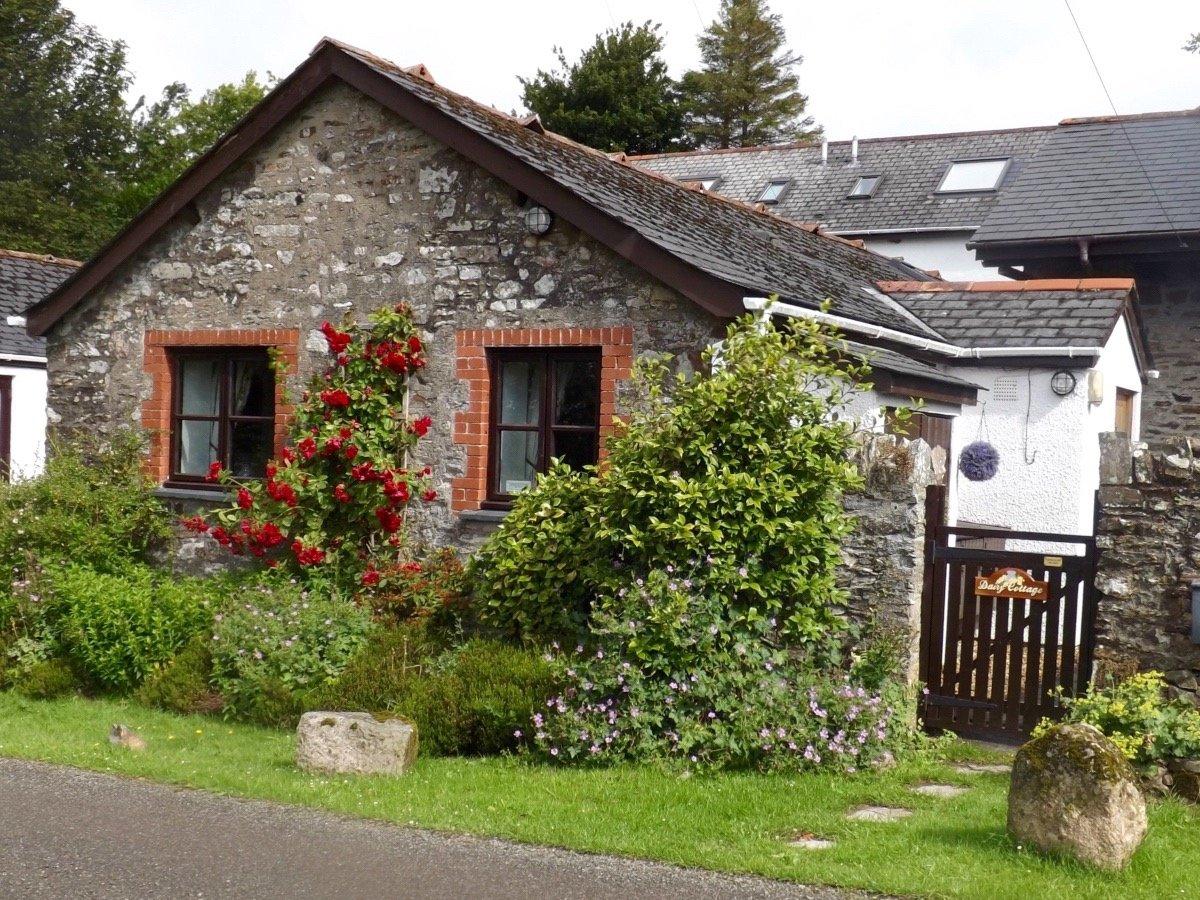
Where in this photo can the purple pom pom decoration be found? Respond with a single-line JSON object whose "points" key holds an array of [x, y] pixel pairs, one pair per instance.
{"points": [[979, 461]]}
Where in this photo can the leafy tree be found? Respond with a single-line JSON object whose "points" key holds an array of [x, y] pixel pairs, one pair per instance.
{"points": [[171, 133], [1193, 44], [746, 91], [64, 128], [618, 96]]}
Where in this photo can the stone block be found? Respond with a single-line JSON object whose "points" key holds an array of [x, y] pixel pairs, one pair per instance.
{"points": [[354, 743]]}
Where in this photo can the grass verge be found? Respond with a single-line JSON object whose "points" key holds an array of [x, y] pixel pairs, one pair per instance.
{"points": [[732, 823]]}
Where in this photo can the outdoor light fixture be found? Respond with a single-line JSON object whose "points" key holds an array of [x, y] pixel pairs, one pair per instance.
{"points": [[538, 220], [1062, 383], [1196, 612]]}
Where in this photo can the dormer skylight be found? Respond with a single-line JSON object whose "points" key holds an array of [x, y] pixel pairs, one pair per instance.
{"points": [[864, 186], [973, 175], [774, 190]]}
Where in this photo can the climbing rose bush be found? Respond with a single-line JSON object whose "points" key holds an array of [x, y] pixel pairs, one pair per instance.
{"points": [[334, 501]]}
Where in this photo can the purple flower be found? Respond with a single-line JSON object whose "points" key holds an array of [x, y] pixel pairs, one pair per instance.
{"points": [[554, 751], [518, 734]]}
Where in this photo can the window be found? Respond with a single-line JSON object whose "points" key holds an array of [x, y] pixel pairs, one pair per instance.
{"points": [[222, 410], [708, 182], [865, 186], [545, 405], [774, 191], [973, 175]]}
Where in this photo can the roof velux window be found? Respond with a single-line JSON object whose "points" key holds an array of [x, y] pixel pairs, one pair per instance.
{"points": [[708, 182], [773, 191], [973, 175], [865, 186]]}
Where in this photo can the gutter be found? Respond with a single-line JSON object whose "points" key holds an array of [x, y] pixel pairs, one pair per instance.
{"points": [[759, 304]]}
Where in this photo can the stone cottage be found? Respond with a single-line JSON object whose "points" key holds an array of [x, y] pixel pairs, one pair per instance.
{"points": [[538, 270]]}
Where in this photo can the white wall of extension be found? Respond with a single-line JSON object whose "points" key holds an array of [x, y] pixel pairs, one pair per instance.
{"points": [[28, 444]]}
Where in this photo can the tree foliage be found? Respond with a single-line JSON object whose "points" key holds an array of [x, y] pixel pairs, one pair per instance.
{"points": [[1193, 44], [746, 91], [618, 96]]}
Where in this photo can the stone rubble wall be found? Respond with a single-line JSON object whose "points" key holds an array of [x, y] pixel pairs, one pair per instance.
{"points": [[883, 559], [1149, 544]]}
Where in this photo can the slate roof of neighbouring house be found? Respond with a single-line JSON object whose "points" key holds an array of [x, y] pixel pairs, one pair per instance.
{"points": [[26, 278], [906, 199], [1039, 313], [891, 361], [1115, 176]]}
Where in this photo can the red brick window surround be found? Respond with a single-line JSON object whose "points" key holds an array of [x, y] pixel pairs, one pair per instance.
{"points": [[159, 345], [472, 427]]}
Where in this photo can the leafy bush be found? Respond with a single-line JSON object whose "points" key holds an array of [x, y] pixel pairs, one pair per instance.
{"points": [[282, 639], [93, 506], [671, 674], [182, 685], [48, 679], [1138, 718], [434, 588], [120, 626], [742, 469], [468, 700]]}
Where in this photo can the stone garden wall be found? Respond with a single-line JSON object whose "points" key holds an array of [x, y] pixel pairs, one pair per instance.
{"points": [[884, 557], [1149, 542]]}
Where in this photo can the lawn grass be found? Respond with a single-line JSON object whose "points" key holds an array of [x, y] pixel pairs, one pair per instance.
{"points": [[734, 823]]}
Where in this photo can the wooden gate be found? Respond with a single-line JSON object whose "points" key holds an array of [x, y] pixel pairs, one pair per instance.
{"points": [[1002, 629]]}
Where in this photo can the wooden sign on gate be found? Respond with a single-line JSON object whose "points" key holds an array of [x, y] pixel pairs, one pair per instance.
{"points": [[1016, 584]]}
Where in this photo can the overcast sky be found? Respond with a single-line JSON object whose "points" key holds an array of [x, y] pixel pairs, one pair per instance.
{"points": [[871, 68]]}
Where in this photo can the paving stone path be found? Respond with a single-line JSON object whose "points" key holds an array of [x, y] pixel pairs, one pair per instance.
{"points": [[941, 791], [878, 814]]}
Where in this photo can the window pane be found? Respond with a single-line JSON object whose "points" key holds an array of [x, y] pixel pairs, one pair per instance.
{"points": [[576, 448], [520, 392], [250, 448], [253, 389], [201, 386], [865, 186], [978, 175], [772, 192], [577, 392], [197, 446], [518, 460]]}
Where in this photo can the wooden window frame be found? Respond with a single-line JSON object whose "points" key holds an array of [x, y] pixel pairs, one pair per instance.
{"points": [[227, 355], [545, 427]]}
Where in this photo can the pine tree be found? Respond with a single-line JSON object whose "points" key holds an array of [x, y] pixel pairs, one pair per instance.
{"points": [[618, 96], [746, 91]]}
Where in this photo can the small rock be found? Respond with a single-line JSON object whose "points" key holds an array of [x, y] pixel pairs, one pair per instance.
{"points": [[1073, 792], [983, 768], [354, 742], [808, 841], [884, 761], [124, 736], [942, 791], [878, 814], [1186, 779]]}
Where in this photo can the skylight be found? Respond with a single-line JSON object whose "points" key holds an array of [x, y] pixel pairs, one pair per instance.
{"points": [[708, 182], [973, 175], [773, 191], [865, 186]]}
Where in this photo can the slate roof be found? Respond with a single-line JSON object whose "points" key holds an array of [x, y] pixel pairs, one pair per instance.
{"points": [[729, 240], [1045, 313], [1087, 181], [906, 198], [25, 278], [891, 361]]}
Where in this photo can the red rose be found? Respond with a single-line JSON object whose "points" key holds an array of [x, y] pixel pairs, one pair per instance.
{"points": [[221, 536], [411, 567], [389, 520], [414, 345], [244, 500], [337, 340], [214, 471], [370, 578], [340, 494], [270, 536], [335, 397], [196, 524], [287, 455], [429, 496], [351, 451], [421, 426], [363, 471], [307, 448]]}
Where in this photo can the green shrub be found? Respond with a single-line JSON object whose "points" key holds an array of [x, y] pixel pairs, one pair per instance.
{"points": [[282, 638], [502, 687], [183, 684], [738, 473], [383, 670], [264, 699], [48, 679], [119, 627], [92, 506], [1136, 715]]}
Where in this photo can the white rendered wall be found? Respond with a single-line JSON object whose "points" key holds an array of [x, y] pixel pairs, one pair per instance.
{"points": [[28, 420], [945, 253]]}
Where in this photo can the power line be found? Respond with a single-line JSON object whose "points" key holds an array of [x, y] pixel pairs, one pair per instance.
{"points": [[1125, 131]]}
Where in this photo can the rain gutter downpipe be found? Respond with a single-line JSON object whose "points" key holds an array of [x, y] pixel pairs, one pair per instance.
{"points": [[760, 304]]}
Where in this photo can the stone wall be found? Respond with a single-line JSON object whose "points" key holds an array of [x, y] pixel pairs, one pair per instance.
{"points": [[1169, 301], [1149, 543], [342, 209], [883, 560]]}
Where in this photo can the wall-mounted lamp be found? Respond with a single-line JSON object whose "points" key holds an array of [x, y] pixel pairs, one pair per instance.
{"points": [[538, 220], [1063, 383], [1196, 612]]}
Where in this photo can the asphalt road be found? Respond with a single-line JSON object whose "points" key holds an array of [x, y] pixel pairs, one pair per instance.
{"points": [[70, 833]]}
